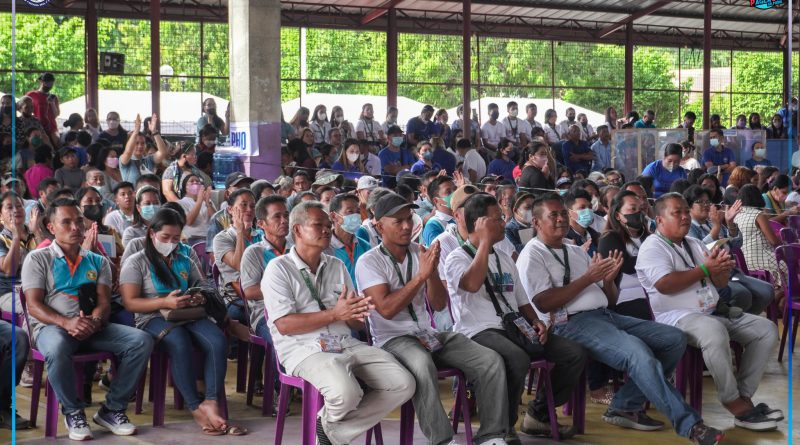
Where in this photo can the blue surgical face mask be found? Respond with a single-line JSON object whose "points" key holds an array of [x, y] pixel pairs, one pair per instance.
{"points": [[447, 199], [714, 142], [397, 141], [585, 217], [351, 223], [562, 192], [149, 211], [428, 155]]}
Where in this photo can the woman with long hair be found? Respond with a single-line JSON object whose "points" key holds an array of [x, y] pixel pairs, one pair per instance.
{"points": [[550, 128], [611, 118], [350, 163], [107, 161], [339, 122], [196, 202], [163, 278], [320, 124], [300, 119], [367, 128]]}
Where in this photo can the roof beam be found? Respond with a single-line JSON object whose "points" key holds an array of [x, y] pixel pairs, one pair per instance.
{"points": [[629, 19], [379, 11]]}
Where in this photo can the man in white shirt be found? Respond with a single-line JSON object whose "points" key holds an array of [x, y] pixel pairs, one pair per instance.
{"points": [[493, 130], [474, 167], [575, 291], [482, 311], [517, 130], [530, 112], [397, 276], [681, 276], [310, 311], [563, 126]]}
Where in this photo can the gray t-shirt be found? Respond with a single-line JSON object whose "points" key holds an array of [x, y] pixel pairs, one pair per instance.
{"points": [[117, 221], [254, 261], [136, 167], [137, 270], [131, 233], [225, 242], [72, 178], [136, 245], [48, 269]]}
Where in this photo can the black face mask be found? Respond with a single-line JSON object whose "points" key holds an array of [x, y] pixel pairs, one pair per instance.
{"points": [[93, 212], [635, 220]]}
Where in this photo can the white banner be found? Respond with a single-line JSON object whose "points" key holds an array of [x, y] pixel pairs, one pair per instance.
{"points": [[244, 135]]}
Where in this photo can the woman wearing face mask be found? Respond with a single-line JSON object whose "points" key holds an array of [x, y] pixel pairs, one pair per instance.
{"points": [[196, 201], [667, 170], [158, 278], [440, 127], [425, 162], [93, 210], [502, 165], [338, 121], [319, 124], [114, 132], [689, 162], [391, 119], [535, 165], [759, 157], [25, 159], [776, 130], [108, 162], [148, 202], [173, 176], [300, 120], [349, 163], [521, 221], [550, 128]]}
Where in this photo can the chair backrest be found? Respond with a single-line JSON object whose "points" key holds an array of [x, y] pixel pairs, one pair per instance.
{"points": [[793, 223], [200, 250], [790, 256], [776, 227], [27, 318], [789, 235], [739, 257]]}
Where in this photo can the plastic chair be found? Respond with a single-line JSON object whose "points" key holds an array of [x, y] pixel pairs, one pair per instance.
{"points": [[793, 222], [776, 227], [543, 368], [200, 251], [267, 368], [51, 409], [788, 235], [790, 255], [773, 311]]}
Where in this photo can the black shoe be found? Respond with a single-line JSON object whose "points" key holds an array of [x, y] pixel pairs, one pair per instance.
{"points": [[773, 414], [633, 420], [322, 438], [705, 435], [6, 418], [755, 420]]}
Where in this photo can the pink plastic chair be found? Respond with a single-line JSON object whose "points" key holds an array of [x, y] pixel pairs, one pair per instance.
{"points": [[790, 255]]}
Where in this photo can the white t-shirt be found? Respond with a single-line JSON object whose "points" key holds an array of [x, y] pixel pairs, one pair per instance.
{"points": [[536, 258], [449, 241], [373, 164], [690, 164], [493, 133], [551, 134], [474, 161], [521, 125], [475, 310], [372, 129], [199, 227], [375, 268], [657, 259]]}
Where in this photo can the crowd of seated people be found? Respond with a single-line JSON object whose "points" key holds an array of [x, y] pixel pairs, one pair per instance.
{"points": [[481, 254]]}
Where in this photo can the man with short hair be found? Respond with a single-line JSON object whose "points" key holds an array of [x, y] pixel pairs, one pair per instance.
{"points": [[474, 167], [647, 121], [688, 123], [346, 220], [601, 149], [312, 307], [395, 157], [440, 191], [681, 277], [397, 275], [576, 291], [365, 186], [493, 130], [581, 216], [68, 291], [576, 153], [564, 126], [530, 116], [718, 157], [122, 218], [517, 130], [485, 289], [420, 128], [458, 124]]}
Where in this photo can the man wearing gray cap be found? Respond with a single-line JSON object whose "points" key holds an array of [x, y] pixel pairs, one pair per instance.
{"points": [[397, 275]]}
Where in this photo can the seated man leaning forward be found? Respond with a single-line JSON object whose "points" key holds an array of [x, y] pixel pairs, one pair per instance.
{"points": [[397, 275], [68, 292], [310, 309], [576, 292], [681, 276]]}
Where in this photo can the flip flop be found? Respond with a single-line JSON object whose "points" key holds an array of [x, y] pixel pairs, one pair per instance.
{"points": [[210, 431], [235, 430]]}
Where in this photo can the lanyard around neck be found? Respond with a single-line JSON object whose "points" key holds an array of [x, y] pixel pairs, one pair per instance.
{"points": [[403, 280], [688, 250], [567, 272], [313, 288]]}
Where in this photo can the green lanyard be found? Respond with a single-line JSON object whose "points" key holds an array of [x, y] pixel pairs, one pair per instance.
{"points": [[688, 250], [402, 280], [565, 263], [312, 288], [497, 287]]}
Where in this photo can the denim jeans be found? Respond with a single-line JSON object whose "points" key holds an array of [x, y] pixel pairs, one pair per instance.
{"points": [[568, 357], [646, 350], [750, 294], [481, 366], [21, 351], [129, 345], [179, 344]]}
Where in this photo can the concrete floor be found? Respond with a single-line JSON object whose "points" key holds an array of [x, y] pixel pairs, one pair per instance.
{"points": [[180, 429]]}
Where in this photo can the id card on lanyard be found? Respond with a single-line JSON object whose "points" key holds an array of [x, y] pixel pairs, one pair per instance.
{"points": [[327, 342], [561, 315]]}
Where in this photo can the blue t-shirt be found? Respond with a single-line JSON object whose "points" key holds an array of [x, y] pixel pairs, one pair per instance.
{"points": [[752, 163], [719, 158], [445, 159], [389, 157], [662, 178], [568, 147], [136, 167], [433, 228], [502, 167], [422, 130], [352, 173], [420, 168], [641, 124]]}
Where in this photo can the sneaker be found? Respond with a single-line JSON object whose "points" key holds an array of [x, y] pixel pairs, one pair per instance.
{"points": [[755, 420], [6, 419], [512, 438], [702, 434], [633, 420], [26, 381], [104, 383], [773, 414], [77, 426], [535, 427], [115, 421], [322, 438]]}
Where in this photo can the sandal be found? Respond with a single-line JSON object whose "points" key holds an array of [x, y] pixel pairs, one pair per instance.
{"points": [[235, 430], [211, 431]]}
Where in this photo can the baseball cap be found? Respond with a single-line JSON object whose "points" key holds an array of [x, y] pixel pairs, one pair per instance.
{"points": [[562, 181], [237, 177], [367, 183], [461, 194], [428, 108], [9, 179], [390, 204], [326, 178], [491, 178]]}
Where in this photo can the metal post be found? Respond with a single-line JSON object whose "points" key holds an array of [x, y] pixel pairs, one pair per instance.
{"points": [[92, 70], [466, 46], [391, 59], [553, 74], [155, 56], [706, 64], [628, 68], [789, 44], [202, 64]]}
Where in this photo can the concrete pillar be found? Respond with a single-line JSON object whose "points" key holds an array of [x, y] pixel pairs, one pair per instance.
{"points": [[254, 39]]}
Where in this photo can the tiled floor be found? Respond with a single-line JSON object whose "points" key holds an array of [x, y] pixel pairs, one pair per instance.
{"points": [[181, 430]]}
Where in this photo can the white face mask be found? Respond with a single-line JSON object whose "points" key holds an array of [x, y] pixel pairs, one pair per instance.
{"points": [[595, 203], [339, 119], [322, 116], [164, 248], [352, 157], [513, 113], [527, 216], [761, 152]]}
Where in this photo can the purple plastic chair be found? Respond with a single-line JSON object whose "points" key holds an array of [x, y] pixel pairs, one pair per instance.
{"points": [[200, 250], [788, 235], [267, 370], [772, 310], [543, 368], [790, 255], [793, 222], [776, 227]]}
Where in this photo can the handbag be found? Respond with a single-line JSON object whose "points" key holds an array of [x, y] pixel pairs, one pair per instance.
{"points": [[184, 313], [508, 320]]}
